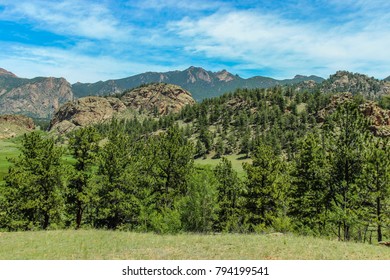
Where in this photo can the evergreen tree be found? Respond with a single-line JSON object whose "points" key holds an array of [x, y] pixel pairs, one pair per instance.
{"points": [[173, 161], [200, 149], [219, 148], [34, 185], [310, 192], [229, 197], [376, 178], [83, 144], [265, 195], [347, 140], [116, 203]]}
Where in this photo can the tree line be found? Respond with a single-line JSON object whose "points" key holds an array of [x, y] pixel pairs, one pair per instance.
{"points": [[335, 182]]}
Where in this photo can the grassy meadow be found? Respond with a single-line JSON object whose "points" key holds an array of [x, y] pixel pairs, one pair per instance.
{"points": [[120, 245], [8, 149], [236, 160]]}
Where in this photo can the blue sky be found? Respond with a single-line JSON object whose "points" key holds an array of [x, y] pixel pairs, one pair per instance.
{"points": [[89, 41]]}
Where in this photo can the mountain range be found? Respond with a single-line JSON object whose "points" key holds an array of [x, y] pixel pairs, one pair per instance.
{"points": [[40, 97], [200, 82]]}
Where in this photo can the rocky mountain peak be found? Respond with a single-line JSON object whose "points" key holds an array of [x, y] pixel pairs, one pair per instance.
{"points": [[224, 76], [197, 73]]}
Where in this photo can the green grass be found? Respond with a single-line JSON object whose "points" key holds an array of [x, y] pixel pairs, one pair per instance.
{"points": [[8, 149], [114, 245], [236, 160]]}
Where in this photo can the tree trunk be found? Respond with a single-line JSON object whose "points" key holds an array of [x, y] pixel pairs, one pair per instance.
{"points": [[46, 220], [79, 216], [378, 213]]}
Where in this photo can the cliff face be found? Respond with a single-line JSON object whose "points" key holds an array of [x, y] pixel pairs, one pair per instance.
{"points": [[85, 111], [38, 97], [159, 98]]}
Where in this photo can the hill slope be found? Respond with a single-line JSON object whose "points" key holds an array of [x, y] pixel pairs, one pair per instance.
{"points": [[13, 125]]}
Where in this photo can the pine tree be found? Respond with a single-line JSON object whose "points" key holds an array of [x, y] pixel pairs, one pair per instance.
{"points": [[347, 140], [83, 144], [376, 178], [230, 191], [265, 188], [116, 203], [310, 192], [34, 184], [173, 161]]}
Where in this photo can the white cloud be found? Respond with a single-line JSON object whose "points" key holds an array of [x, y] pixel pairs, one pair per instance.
{"points": [[104, 40], [69, 17], [268, 41], [178, 5]]}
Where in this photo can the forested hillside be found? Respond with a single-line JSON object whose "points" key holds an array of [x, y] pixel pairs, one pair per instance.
{"points": [[316, 168]]}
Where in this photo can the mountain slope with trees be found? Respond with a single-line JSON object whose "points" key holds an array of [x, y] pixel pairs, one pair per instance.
{"points": [[323, 176]]}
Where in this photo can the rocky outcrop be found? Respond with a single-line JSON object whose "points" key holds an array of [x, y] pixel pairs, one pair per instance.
{"points": [[85, 111], [38, 97], [153, 99], [14, 125], [355, 83], [380, 118], [160, 99], [336, 101]]}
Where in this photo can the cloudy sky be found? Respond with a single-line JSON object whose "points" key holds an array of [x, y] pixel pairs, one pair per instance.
{"points": [[89, 41]]}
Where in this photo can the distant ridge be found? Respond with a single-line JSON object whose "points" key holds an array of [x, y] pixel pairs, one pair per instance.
{"points": [[200, 82]]}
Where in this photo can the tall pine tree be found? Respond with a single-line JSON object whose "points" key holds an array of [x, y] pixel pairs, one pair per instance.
{"points": [[34, 185], [83, 145]]}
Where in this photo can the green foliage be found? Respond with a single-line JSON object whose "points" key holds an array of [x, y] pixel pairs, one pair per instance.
{"points": [[199, 206], [310, 190], [328, 178], [230, 191], [375, 179], [348, 135], [83, 144], [384, 102], [172, 159], [116, 191], [34, 187], [266, 188], [167, 220]]}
